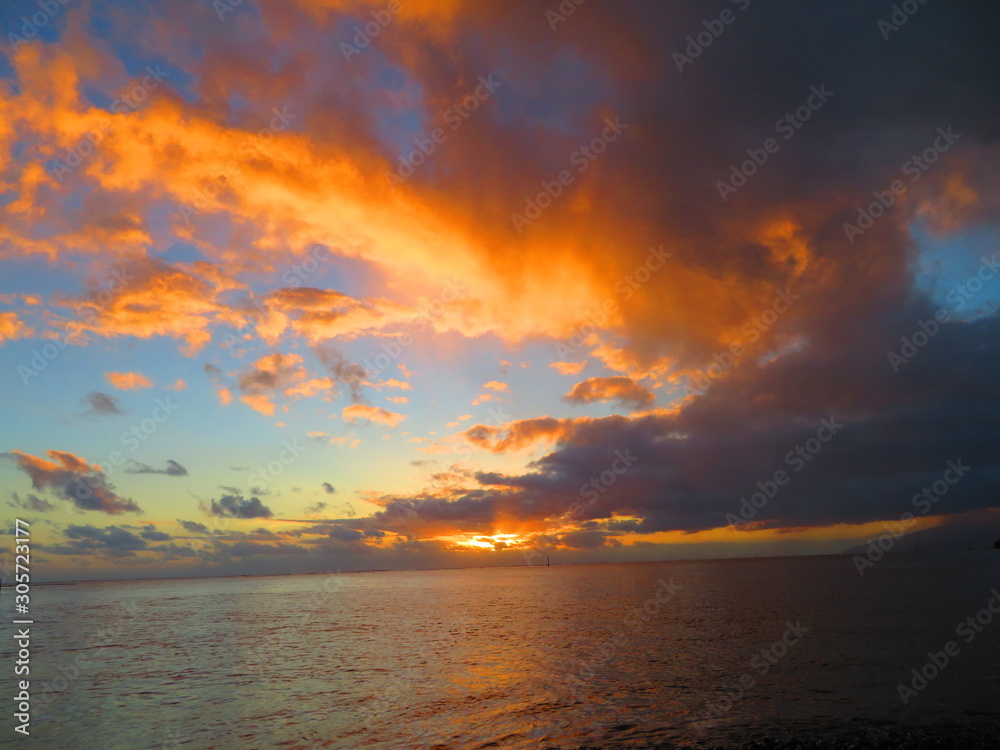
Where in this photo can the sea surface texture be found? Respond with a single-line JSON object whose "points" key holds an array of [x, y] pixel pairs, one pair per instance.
{"points": [[619, 656]]}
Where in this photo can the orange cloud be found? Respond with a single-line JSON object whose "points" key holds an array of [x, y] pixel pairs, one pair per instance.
{"points": [[259, 403], [567, 368], [128, 381], [372, 414], [617, 388], [349, 442], [150, 298], [12, 328], [310, 387], [318, 314], [586, 274], [74, 480], [393, 383], [276, 374], [520, 434], [495, 385], [278, 200]]}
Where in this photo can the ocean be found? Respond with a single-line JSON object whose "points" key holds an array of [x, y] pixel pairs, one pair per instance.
{"points": [[685, 654]]}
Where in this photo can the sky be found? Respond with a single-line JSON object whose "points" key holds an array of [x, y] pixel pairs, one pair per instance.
{"points": [[306, 285]]}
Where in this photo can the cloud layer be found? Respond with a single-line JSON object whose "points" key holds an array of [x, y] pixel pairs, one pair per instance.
{"points": [[72, 479], [697, 257]]}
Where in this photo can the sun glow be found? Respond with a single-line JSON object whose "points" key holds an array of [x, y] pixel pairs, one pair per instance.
{"points": [[494, 542]]}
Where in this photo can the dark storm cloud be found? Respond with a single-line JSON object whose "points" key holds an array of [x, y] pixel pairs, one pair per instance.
{"points": [[112, 540], [150, 534], [172, 469], [688, 128], [882, 102], [71, 478], [236, 506], [31, 502], [343, 534], [101, 404], [194, 527], [887, 437], [588, 540]]}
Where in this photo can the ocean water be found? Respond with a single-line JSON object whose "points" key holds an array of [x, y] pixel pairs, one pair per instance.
{"points": [[624, 655]]}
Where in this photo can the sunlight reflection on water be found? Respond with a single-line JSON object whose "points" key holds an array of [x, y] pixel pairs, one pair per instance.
{"points": [[521, 657]]}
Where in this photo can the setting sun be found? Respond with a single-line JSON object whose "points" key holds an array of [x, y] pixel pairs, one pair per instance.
{"points": [[497, 373], [495, 541]]}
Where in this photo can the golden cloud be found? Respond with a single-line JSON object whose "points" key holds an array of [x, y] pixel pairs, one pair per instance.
{"points": [[12, 327], [128, 381], [617, 388], [375, 414]]}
